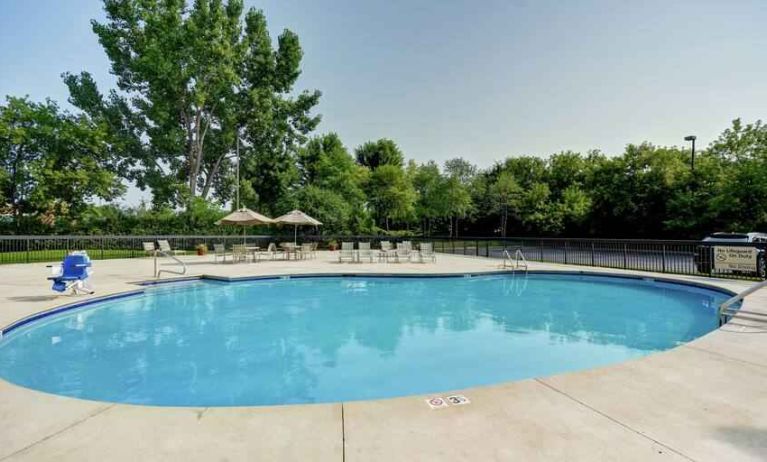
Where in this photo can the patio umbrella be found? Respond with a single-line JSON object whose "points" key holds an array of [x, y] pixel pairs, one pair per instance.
{"points": [[244, 217], [296, 218]]}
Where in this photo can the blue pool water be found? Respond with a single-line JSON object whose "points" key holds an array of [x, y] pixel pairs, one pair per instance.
{"points": [[307, 340]]}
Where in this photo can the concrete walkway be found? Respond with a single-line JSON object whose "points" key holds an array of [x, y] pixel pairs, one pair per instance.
{"points": [[706, 400]]}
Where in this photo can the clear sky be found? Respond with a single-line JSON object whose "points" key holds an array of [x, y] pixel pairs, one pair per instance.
{"points": [[478, 79]]}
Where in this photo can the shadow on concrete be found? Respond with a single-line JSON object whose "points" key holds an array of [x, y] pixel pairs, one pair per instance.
{"points": [[750, 441]]}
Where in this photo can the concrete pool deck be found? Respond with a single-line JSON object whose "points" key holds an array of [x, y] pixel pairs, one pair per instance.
{"points": [[705, 400]]}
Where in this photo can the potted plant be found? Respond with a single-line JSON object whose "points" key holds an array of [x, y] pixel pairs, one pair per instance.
{"points": [[332, 245], [202, 249]]}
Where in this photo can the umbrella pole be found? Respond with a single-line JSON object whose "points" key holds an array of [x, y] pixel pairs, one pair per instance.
{"points": [[295, 234], [243, 235]]}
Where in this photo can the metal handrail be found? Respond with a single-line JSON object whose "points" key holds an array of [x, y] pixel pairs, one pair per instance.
{"points": [[518, 255], [724, 307], [171, 256]]}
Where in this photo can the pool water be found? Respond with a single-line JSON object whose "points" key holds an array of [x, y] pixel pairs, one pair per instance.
{"points": [[310, 340]]}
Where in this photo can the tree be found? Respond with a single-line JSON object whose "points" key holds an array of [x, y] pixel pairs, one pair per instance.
{"points": [[391, 194], [53, 163], [374, 154], [505, 193], [189, 78], [427, 182]]}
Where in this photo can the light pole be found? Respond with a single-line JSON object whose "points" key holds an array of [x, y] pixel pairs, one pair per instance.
{"points": [[692, 138]]}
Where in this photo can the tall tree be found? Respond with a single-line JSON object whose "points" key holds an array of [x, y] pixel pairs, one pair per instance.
{"points": [[505, 193], [53, 163], [189, 77]]}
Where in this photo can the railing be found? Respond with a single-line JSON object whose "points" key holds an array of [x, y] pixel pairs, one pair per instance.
{"points": [[661, 256], [172, 257], [667, 256], [726, 310]]}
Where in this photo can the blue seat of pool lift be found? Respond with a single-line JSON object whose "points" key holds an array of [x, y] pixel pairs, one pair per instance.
{"points": [[73, 273]]}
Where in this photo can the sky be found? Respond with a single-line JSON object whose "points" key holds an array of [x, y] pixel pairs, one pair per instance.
{"points": [[482, 80]]}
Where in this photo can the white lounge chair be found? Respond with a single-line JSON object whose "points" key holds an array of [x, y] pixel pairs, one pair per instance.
{"points": [[403, 252], [364, 251], [271, 252], [386, 251], [347, 252], [164, 247], [149, 248], [426, 252]]}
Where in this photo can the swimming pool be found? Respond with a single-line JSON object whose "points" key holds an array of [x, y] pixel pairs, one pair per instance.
{"points": [[329, 339]]}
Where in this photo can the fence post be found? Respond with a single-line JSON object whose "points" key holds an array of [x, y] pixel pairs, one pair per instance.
{"points": [[540, 250], [102, 247], [592, 254], [476, 248], [487, 249], [27, 254], [566, 246], [625, 257], [663, 259]]}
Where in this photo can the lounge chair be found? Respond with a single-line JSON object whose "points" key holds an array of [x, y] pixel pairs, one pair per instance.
{"points": [[164, 247], [386, 251], [347, 252], [403, 252], [425, 252], [72, 273], [149, 248], [364, 251], [271, 252], [219, 250]]}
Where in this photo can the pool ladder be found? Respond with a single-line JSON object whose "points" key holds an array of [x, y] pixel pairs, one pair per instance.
{"points": [[519, 260], [726, 310]]}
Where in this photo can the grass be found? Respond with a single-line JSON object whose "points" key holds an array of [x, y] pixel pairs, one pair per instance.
{"points": [[37, 256]]}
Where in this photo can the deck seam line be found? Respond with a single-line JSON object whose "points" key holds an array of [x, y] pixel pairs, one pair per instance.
{"points": [[613, 419], [722, 355], [343, 435], [58, 432]]}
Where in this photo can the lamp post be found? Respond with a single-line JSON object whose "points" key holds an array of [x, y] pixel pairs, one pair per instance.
{"points": [[692, 138]]}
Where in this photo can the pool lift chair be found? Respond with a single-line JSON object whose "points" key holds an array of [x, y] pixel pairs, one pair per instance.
{"points": [[72, 274]]}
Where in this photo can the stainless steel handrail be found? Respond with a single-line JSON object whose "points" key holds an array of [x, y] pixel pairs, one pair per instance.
{"points": [[724, 307], [515, 262], [171, 256]]}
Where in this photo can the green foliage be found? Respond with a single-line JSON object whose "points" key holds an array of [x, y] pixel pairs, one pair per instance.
{"points": [[190, 77], [53, 163], [374, 154]]}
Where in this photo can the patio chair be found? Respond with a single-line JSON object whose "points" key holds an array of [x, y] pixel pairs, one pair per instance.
{"points": [[386, 251], [164, 247], [347, 252], [239, 253], [426, 252], [72, 273], [403, 252], [364, 251], [149, 248], [219, 250], [314, 249], [306, 250]]}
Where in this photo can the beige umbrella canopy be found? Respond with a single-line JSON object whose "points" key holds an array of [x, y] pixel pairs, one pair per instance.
{"points": [[245, 217], [296, 218]]}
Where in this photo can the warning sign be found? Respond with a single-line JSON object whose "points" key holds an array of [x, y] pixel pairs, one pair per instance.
{"points": [[735, 258], [436, 402]]}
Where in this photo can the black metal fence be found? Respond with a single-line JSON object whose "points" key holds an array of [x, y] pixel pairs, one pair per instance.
{"points": [[677, 257], [670, 256]]}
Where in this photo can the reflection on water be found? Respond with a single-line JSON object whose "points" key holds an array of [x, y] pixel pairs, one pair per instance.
{"points": [[333, 339]]}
